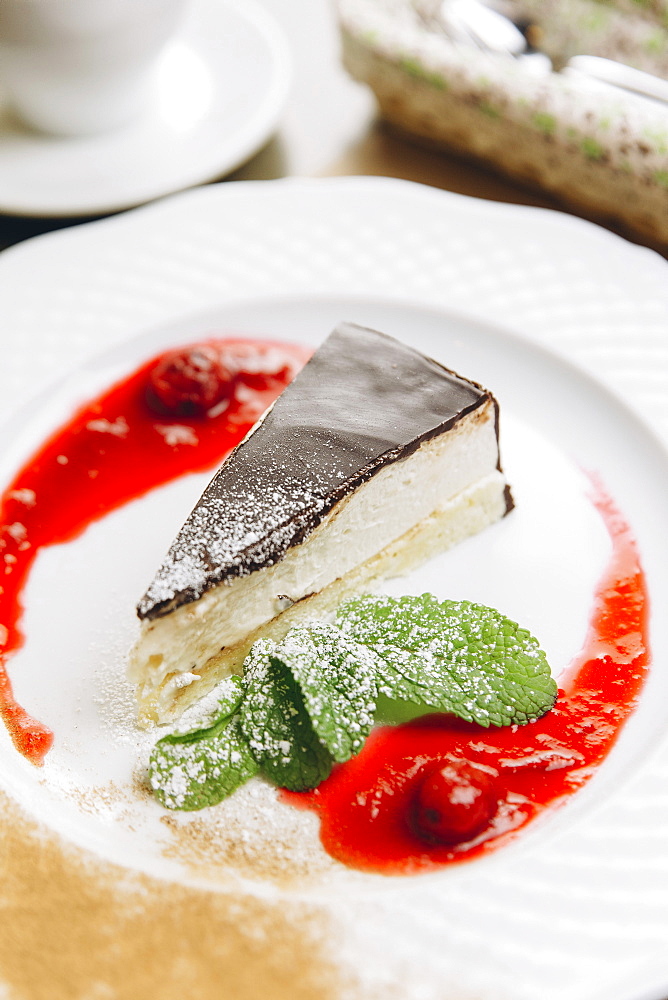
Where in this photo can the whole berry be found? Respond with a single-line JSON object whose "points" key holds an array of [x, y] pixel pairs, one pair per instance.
{"points": [[189, 383], [455, 801]]}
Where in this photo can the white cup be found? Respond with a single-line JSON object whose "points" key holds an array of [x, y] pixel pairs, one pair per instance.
{"points": [[79, 67]]}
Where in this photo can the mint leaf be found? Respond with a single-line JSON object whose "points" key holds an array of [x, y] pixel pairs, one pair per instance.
{"points": [[201, 767], [231, 692], [337, 678], [277, 726], [453, 656], [196, 770]]}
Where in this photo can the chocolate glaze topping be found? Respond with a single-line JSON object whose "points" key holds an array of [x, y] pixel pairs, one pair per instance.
{"points": [[364, 400]]}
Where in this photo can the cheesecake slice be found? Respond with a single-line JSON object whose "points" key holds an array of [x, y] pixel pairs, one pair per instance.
{"points": [[371, 461]]}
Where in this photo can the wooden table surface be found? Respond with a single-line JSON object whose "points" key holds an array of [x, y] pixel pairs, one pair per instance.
{"points": [[329, 127]]}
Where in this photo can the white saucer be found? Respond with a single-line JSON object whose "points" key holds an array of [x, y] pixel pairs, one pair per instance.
{"points": [[219, 91]]}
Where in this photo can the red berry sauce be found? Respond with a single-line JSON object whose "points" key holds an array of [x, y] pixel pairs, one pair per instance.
{"points": [[431, 792], [381, 811], [117, 447]]}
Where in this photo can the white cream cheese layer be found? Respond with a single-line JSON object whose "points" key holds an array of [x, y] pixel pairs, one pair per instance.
{"points": [[450, 478]]}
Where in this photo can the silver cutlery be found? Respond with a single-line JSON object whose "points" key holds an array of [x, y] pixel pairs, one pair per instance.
{"points": [[472, 22]]}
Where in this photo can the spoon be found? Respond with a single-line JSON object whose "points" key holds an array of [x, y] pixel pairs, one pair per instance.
{"points": [[474, 23]]}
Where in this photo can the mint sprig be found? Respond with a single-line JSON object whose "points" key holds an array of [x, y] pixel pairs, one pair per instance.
{"points": [[310, 700]]}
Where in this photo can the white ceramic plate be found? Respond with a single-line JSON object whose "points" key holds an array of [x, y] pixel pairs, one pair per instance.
{"points": [[218, 94], [549, 916]]}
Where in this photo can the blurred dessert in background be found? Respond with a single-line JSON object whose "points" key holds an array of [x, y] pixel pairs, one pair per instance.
{"points": [[602, 150]]}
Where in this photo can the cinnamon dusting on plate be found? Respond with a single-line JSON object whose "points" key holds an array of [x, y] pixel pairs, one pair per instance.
{"points": [[75, 927], [253, 835]]}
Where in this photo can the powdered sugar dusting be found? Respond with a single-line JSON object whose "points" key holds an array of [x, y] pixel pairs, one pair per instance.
{"points": [[118, 427], [25, 496], [253, 833], [240, 523], [176, 434], [361, 402]]}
